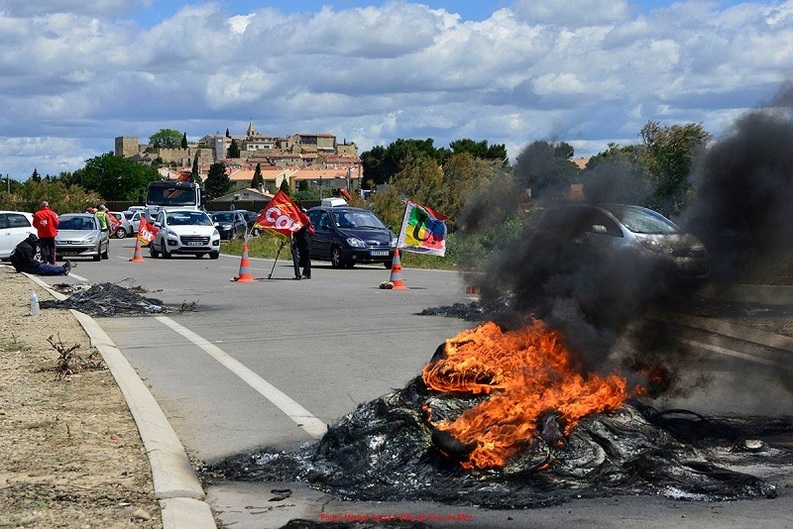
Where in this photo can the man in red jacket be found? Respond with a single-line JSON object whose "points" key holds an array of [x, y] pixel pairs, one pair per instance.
{"points": [[46, 222]]}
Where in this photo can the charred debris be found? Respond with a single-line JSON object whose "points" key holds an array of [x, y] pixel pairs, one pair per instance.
{"points": [[110, 299]]}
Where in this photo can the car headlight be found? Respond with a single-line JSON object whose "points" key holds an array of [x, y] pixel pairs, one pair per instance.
{"points": [[90, 239], [393, 242], [216, 233], [653, 245], [171, 235], [355, 242]]}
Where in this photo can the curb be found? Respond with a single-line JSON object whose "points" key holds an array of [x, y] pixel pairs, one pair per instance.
{"points": [[176, 484]]}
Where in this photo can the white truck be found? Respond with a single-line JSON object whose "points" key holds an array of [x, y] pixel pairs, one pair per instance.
{"points": [[173, 194]]}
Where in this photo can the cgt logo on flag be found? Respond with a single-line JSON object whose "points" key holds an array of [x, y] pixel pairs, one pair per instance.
{"points": [[146, 232], [282, 216]]}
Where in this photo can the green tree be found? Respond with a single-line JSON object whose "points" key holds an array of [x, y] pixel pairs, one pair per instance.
{"points": [[35, 176], [114, 177], [165, 139], [463, 175], [195, 174], [420, 180], [257, 181], [234, 150], [62, 196], [284, 186], [480, 150], [546, 169], [184, 141], [382, 163], [670, 150], [217, 183], [618, 174]]}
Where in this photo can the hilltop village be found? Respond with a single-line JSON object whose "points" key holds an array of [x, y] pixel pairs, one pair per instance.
{"points": [[317, 158]]}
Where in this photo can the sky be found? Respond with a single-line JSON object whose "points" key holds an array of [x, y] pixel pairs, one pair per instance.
{"points": [[74, 75]]}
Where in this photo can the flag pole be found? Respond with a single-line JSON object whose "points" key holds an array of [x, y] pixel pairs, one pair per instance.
{"points": [[283, 243]]}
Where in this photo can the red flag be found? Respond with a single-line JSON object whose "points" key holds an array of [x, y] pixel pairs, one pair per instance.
{"points": [[115, 224], [282, 216], [146, 232]]}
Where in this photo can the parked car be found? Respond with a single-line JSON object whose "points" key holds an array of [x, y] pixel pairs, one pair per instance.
{"points": [[125, 228], [630, 232], [79, 235], [185, 231], [230, 224], [133, 217], [250, 218], [346, 236], [15, 226]]}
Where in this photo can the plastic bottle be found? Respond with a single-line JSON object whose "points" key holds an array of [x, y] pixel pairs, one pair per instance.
{"points": [[34, 304]]}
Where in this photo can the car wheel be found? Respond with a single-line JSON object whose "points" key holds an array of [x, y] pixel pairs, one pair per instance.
{"points": [[165, 253], [152, 251], [335, 258], [121, 233], [388, 264], [214, 255], [98, 255], [106, 253], [199, 255]]}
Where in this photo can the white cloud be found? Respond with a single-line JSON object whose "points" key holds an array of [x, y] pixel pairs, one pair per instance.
{"points": [[585, 70]]}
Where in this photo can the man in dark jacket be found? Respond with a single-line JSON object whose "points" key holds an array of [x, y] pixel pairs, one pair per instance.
{"points": [[301, 247], [23, 258]]}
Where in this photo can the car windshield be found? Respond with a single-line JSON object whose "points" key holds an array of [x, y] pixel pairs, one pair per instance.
{"points": [[171, 196], [644, 221], [76, 223], [357, 219], [224, 217], [188, 218]]}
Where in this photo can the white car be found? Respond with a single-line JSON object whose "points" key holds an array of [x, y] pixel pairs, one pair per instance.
{"points": [[185, 231], [15, 226]]}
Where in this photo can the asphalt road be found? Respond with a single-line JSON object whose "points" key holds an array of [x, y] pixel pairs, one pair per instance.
{"points": [[270, 363]]}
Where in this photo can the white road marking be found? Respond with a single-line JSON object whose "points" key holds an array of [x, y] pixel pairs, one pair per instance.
{"points": [[736, 354], [302, 417]]}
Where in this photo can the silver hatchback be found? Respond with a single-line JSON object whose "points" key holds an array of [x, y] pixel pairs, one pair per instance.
{"points": [[604, 230], [79, 235]]}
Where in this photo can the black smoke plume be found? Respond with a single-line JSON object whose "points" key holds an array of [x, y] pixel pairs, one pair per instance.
{"points": [[741, 206]]}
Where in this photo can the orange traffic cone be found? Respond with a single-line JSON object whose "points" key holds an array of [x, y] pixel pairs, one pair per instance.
{"points": [[245, 270], [396, 272], [138, 257]]}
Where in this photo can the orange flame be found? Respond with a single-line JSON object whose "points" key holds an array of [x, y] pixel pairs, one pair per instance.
{"points": [[527, 372]]}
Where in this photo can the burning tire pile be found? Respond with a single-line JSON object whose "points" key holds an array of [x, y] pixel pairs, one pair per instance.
{"points": [[473, 431]]}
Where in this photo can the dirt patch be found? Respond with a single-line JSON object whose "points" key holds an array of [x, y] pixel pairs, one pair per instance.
{"points": [[72, 455]]}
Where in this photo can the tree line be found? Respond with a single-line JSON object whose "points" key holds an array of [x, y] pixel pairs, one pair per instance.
{"points": [[653, 172]]}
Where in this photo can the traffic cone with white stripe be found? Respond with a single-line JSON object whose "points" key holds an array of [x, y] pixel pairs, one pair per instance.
{"points": [[138, 257], [245, 267], [396, 272]]}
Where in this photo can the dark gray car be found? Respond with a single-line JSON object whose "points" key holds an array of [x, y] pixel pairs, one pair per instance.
{"points": [[347, 236]]}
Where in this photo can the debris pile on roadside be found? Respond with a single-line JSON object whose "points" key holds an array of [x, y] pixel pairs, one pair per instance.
{"points": [[108, 299]]}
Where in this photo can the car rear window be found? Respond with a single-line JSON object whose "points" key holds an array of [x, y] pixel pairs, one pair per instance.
{"points": [[14, 220]]}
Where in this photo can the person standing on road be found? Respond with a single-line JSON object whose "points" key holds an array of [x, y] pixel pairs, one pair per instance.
{"points": [[101, 214], [46, 222], [301, 247], [23, 259]]}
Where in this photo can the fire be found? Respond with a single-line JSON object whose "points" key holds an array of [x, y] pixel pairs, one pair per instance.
{"points": [[528, 373]]}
